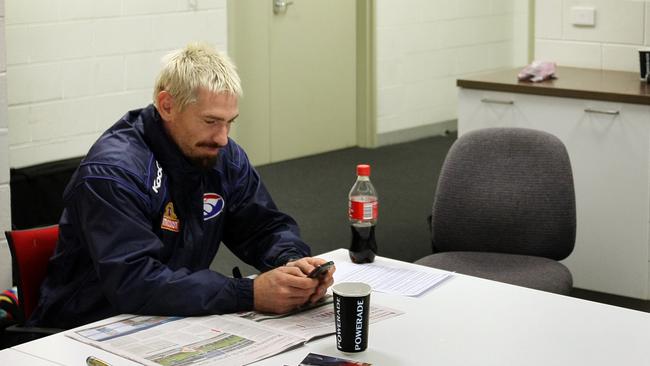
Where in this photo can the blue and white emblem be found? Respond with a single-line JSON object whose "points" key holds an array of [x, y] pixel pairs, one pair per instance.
{"points": [[212, 205]]}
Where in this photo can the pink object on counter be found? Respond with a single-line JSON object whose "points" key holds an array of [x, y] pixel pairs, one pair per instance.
{"points": [[538, 71]]}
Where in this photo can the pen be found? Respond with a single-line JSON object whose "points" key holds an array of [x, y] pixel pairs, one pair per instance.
{"points": [[94, 361]]}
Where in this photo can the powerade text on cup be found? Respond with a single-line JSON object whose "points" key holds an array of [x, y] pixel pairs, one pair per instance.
{"points": [[351, 315]]}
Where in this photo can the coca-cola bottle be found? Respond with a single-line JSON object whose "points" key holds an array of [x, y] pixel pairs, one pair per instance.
{"points": [[362, 212]]}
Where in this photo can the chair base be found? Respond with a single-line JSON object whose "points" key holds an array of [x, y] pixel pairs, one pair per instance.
{"points": [[533, 272]]}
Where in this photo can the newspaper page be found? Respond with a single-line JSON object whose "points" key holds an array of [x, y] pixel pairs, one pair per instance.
{"points": [[173, 341], [233, 339], [314, 321]]}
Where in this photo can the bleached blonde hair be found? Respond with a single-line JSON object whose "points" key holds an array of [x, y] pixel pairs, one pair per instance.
{"points": [[198, 65]]}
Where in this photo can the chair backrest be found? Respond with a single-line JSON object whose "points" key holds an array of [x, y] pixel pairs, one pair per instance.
{"points": [[506, 190], [31, 250]]}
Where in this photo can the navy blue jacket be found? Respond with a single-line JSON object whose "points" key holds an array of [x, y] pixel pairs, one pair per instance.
{"points": [[141, 226]]}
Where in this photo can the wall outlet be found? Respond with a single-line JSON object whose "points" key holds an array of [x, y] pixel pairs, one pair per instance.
{"points": [[583, 16]]}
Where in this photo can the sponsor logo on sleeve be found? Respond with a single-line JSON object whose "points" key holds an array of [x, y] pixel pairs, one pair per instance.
{"points": [[170, 220], [212, 205], [158, 181]]}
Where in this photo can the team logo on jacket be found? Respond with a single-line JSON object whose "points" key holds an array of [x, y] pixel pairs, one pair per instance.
{"points": [[170, 220], [212, 205]]}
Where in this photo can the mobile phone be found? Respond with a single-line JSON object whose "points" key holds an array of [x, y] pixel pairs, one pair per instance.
{"points": [[320, 270]]}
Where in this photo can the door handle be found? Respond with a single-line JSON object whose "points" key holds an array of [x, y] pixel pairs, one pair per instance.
{"points": [[613, 112], [497, 101], [281, 6]]}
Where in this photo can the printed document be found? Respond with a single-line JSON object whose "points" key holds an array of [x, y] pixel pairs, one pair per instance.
{"points": [[231, 339], [392, 280]]}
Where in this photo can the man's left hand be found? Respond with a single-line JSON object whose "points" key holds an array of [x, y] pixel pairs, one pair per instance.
{"points": [[306, 265]]}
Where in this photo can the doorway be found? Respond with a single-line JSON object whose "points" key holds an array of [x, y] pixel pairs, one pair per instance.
{"points": [[306, 71]]}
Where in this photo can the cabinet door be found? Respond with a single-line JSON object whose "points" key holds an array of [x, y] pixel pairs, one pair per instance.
{"points": [[609, 149], [481, 109]]}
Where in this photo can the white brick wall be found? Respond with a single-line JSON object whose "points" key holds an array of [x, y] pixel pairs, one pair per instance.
{"points": [[75, 66], [423, 46], [5, 199], [621, 28]]}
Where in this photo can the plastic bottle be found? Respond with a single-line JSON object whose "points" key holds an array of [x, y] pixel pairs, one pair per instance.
{"points": [[362, 213]]}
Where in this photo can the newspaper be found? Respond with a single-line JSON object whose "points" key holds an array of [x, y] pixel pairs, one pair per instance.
{"points": [[231, 339]]}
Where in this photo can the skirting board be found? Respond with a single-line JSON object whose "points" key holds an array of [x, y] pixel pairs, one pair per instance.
{"points": [[416, 133]]}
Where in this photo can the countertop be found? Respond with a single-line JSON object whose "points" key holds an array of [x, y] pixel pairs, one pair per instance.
{"points": [[571, 82]]}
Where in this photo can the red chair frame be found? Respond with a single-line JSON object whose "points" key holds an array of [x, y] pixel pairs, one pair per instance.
{"points": [[31, 250]]}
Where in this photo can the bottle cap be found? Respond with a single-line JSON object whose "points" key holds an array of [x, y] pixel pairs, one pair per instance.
{"points": [[363, 170]]}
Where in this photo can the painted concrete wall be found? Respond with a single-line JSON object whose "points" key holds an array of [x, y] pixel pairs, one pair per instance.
{"points": [[621, 27], [5, 202], [76, 66], [423, 46]]}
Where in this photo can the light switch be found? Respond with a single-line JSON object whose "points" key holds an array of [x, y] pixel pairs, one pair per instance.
{"points": [[583, 16]]}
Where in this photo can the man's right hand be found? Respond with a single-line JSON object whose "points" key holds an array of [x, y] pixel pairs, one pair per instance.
{"points": [[282, 289]]}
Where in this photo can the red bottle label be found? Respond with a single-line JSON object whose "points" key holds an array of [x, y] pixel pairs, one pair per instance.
{"points": [[363, 210]]}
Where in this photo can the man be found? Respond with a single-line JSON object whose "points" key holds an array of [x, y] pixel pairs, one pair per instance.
{"points": [[148, 206]]}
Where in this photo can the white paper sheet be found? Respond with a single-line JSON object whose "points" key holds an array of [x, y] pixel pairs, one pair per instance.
{"points": [[392, 280]]}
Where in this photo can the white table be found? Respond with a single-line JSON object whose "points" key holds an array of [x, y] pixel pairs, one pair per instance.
{"points": [[464, 321], [10, 356]]}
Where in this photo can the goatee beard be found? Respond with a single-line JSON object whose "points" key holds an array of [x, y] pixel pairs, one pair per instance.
{"points": [[205, 163]]}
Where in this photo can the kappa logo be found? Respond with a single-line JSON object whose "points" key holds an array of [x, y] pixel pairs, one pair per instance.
{"points": [[158, 181], [212, 205], [170, 220]]}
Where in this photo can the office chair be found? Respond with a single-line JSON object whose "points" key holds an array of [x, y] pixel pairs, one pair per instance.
{"points": [[504, 209], [31, 250]]}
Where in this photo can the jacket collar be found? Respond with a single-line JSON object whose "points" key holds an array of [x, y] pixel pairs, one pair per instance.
{"points": [[164, 148]]}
